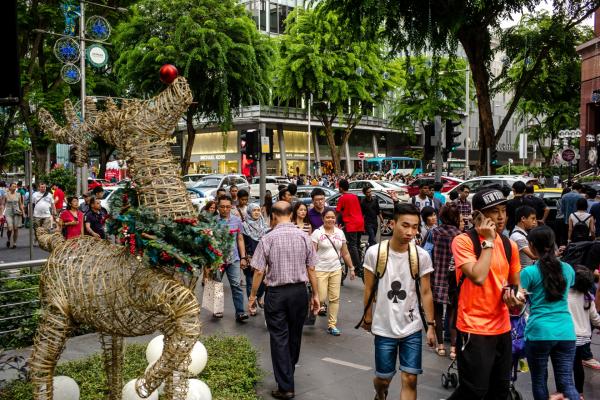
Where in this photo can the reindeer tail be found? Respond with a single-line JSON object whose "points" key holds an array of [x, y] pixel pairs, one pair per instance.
{"points": [[48, 240]]}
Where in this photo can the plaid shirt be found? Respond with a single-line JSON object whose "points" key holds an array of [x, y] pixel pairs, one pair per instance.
{"points": [[442, 237], [285, 253], [465, 210]]}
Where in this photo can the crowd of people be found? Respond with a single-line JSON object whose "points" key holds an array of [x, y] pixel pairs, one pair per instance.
{"points": [[463, 269]]}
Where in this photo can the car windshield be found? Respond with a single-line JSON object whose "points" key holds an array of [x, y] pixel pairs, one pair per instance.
{"points": [[209, 182], [388, 185]]}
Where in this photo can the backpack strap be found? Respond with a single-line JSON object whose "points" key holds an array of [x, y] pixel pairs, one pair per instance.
{"points": [[383, 250], [474, 236], [576, 217], [413, 260]]}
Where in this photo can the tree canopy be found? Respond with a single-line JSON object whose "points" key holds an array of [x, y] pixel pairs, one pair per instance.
{"points": [[215, 45], [345, 76], [438, 26]]}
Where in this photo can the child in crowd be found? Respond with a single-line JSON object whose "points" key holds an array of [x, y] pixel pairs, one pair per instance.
{"points": [[583, 311]]}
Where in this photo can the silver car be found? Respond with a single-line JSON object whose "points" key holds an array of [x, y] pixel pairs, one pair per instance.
{"points": [[211, 183]]}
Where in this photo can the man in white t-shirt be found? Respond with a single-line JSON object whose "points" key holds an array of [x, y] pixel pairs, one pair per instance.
{"points": [[43, 207], [395, 320], [526, 221]]}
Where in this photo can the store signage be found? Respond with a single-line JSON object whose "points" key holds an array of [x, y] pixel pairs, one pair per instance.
{"points": [[97, 55], [206, 157], [568, 155]]}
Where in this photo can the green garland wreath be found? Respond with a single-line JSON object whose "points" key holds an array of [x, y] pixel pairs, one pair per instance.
{"points": [[185, 245]]}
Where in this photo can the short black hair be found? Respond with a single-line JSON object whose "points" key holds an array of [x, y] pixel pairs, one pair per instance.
{"points": [[224, 197], [317, 192], [282, 193], [97, 190], [405, 209], [438, 186], [427, 212], [232, 186], [423, 184], [577, 186], [292, 188], [281, 210], [343, 184], [584, 279], [243, 193], [364, 190], [519, 187], [582, 204], [591, 193], [524, 212], [453, 195], [221, 190], [529, 189]]}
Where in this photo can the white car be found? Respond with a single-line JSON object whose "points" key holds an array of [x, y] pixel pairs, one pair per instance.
{"points": [[190, 180], [393, 189], [273, 183], [482, 182], [109, 191]]}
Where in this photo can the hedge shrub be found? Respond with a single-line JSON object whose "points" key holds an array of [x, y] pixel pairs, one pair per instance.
{"points": [[232, 371]]}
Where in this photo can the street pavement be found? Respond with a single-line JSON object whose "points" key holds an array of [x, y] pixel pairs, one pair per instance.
{"points": [[329, 367]]}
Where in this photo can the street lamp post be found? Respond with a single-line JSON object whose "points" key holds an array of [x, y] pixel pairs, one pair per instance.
{"points": [[567, 135]]}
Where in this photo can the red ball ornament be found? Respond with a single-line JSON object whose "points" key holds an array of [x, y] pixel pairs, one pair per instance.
{"points": [[168, 73]]}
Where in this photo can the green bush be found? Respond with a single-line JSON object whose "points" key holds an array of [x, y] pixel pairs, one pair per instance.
{"points": [[231, 372], [64, 178], [21, 290]]}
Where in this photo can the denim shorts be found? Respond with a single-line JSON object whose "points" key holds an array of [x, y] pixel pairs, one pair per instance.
{"points": [[408, 350]]}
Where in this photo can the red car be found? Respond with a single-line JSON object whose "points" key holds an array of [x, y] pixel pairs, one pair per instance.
{"points": [[448, 184]]}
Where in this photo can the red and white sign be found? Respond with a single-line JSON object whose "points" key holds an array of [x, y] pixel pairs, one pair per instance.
{"points": [[361, 155]]}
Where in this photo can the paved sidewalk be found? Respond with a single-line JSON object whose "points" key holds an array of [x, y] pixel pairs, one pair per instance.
{"points": [[330, 368]]}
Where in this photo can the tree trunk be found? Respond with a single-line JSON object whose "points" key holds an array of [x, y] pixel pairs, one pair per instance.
{"points": [[333, 149], [189, 146], [105, 151], [477, 62]]}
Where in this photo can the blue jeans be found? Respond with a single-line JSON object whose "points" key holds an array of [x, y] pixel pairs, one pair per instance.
{"points": [[372, 233], [234, 276], [408, 351], [249, 274], [562, 354]]}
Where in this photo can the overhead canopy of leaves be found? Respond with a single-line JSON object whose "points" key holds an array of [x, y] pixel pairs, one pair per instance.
{"points": [[319, 56], [428, 87], [213, 43]]}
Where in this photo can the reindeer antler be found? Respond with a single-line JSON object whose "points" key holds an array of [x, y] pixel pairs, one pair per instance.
{"points": [[75, 133]]}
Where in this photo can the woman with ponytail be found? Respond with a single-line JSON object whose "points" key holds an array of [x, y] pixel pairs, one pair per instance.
{"points": [[550, 331]]}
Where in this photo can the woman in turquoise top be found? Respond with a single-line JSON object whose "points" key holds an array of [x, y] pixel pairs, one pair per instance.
{"points": [[550, 331]]}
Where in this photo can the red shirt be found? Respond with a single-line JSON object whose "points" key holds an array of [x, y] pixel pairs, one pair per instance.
{"points": [[58, 204], [349, 207], [73, 231]]}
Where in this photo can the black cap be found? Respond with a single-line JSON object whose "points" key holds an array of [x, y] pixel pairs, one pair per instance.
{"points": [[488, 198]]}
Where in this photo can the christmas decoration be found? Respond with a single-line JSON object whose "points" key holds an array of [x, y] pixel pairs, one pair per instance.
{"points": [[168, 73]]}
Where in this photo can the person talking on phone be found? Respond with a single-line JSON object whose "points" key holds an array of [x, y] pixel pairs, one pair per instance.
{"points": [[486, 264]]}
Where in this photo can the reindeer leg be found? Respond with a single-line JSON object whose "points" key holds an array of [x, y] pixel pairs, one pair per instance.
{"points": [[112, 352], [49, 342]]}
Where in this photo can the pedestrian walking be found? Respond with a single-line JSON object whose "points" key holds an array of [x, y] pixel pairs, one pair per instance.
{"points": [[71, 220], [348, 207], [330, 245], [59, 198], [13, 211], [371, 214], [443, 279], [583, 311], [550, 332], [582, 227], [43, 207], [422, 200], [300, 218], [526, 221], [485, 262], [235, 260], [209, 209], [254, 228], [315, 214], [396, 319], [286, 258], [95, 219], [464, 206]]}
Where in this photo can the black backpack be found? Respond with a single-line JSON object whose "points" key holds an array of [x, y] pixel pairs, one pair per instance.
{"points": [[583, 253], [581, 230]]}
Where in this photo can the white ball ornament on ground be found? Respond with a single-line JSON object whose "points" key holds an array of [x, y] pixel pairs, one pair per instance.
{"points": [[155, 349], [198, 390], [65, 388], [129, 392], [199, 359]]}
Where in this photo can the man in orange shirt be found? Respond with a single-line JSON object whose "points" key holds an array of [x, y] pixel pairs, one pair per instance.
{"points": [[483, 270]]}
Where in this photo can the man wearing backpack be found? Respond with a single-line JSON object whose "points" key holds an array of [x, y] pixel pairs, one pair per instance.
{"points": [[397, 274], [526, 221], [581, 224], [485, 262]]}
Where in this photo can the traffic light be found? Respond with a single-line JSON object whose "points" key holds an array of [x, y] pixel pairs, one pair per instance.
{"points": [[428, 148], [494, 157], [72, 155], [250, 144], [451, 135]]}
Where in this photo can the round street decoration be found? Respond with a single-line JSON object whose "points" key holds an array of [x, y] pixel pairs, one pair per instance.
{"points": [[568, 155], [97, 56]]}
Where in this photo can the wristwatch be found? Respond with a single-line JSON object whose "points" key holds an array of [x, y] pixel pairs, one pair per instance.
{"points": [[486, 244]]}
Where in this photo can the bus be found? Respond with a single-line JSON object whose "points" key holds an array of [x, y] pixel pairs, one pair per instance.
{"points": [[395, 165]]}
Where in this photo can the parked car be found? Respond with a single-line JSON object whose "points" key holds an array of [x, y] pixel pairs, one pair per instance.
{"points": [[198, 197], [483, 182], [190, 180], [391, 188], [303, 193], [447, 182], [210, 183], [550, 197], [386, 204], [273, 183], [109, 191]]}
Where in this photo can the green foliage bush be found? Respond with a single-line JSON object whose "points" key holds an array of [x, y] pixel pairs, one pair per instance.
{"points": [[22, 291], [64, 178], [231, 372]]}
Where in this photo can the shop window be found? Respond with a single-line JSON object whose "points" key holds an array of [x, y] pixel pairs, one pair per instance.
{"points": [[263, 16], [273, 21]]}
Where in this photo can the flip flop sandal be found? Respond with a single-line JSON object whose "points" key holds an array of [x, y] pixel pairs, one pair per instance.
{"points": [[377, 398]]}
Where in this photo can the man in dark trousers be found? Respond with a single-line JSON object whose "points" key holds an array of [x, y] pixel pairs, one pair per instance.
{"points": [[371, 214], [288, 258]]}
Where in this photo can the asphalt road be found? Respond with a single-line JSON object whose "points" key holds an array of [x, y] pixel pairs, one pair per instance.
{"points": [[329, 367]]}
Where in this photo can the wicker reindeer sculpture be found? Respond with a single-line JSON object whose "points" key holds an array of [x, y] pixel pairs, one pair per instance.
{"points": [[102, 285]]}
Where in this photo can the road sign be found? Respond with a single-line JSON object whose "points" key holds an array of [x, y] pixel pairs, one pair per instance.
{"points": [[568, 155], [361, 155]]}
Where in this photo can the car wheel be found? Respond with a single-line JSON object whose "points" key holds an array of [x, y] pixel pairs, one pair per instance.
{"points": [[385, 228]]}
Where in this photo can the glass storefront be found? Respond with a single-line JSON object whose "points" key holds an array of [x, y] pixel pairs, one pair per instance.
{"points": [[228, 167]]}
